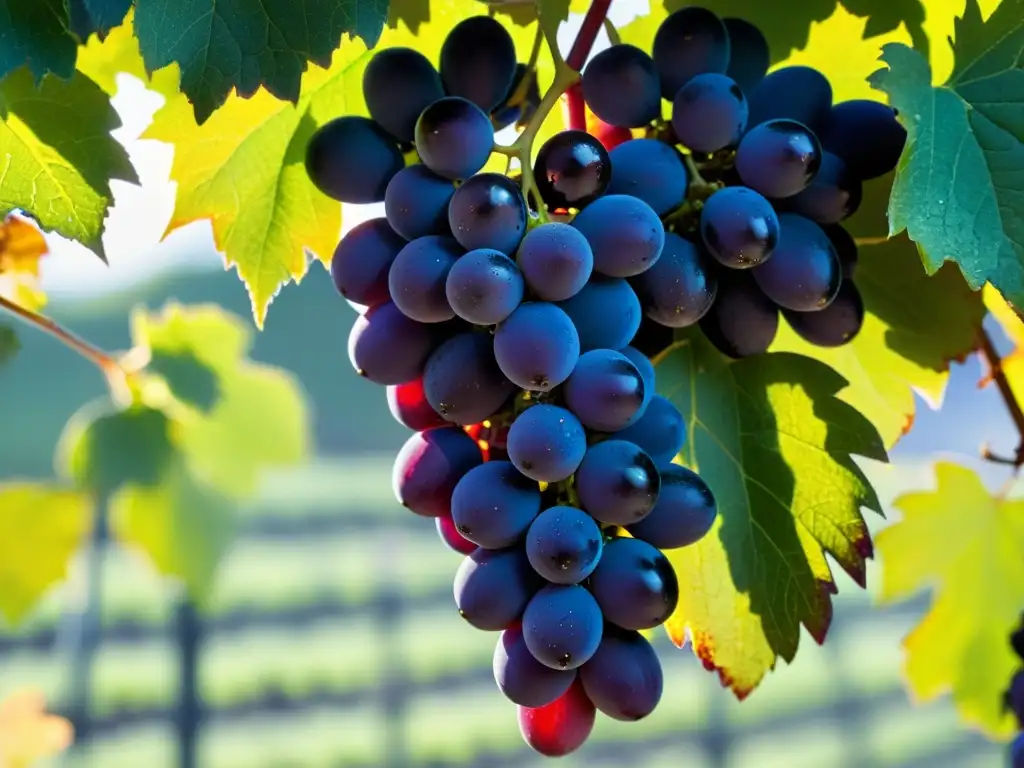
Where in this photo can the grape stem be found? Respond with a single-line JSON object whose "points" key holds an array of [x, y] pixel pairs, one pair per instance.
{"points": [[997, 374], [575, 110], [118, 378]]}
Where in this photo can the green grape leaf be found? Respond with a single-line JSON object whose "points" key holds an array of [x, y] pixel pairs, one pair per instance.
{"points": [[523, 12], [964, 545], [9, 344], [118, 52], [957, 190], [255, 416], [183, 526], [411, 13], [904, 345], [41, 527], [96, 16], [775, 444], [248, 43], [104, 447], [35, 35], [59, 154]]}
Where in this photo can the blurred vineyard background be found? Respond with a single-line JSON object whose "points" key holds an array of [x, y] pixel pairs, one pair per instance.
{"points": [[332, 640]]}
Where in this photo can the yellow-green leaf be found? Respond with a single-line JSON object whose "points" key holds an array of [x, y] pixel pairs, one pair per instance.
{"points": [[181, 525], [57, 156], [776, 446], [41, 527], [965, 545], [117, 53]]}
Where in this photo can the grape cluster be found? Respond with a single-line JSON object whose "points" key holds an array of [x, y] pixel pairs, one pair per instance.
{"points": [[541, 448], [752, 175], [1013, 698]]}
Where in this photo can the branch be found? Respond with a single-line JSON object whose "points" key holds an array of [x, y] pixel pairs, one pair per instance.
{"points": [[116, 375], [575, 110], [998, 375]]}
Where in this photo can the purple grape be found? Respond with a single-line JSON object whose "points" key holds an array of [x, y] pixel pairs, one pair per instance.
{"points": [[429, 466], [484, 287], [624, 678], [606, 391], [462, 381], [634, 584], [562, 626], [493, 587], [660, 432], [564, 545], [387, 347], [523, 679], [556, 261], [362, 260], [546, 443], [493, 505], [684, 513]]}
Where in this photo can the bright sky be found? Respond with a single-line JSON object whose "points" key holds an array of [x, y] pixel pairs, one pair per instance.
{"points": [[140, 214]]}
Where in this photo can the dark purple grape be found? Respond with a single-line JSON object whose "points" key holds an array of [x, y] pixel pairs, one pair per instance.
{"points": [[484, 287], [409, 406], [556, 261], [709, 113], [624, 678], [398, 84], [418, 276], [451, 537], [454, 138], [624, 232], [680, 288], [493, 504], [803, 273], [537, 346], [387, 347], [742, 321], [691, 41], [352, 159], [645, 367], [660, 432], [606, 391], [621, 86], [462, 381], [428, 467], [684, 514], [795, 93], [572, 169], [617, 482], [634, 584], [866, 135], [546, 443], [564, 545], [650, 170], [523, 679], [606, 313], [748, 54], [846, 248], [562, 626], [488, 211], [739, 227], [362, 259], [494, 586], [478, 61], [835, 325], [416, 202], [834, 194], [778, 158]]}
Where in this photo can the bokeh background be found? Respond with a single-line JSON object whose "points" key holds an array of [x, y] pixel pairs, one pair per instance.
{"points": [[332, 638]]}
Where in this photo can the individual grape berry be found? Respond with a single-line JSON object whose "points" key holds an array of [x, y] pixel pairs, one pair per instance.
{"points": [[352, 159], [634, 584], [398, 84], [493, 505], [556, 261], [834, 195], [523, 679], [451, 537], [866, 135], [709, 113], [571, 170], [362, 259], [617, 482], [846, 248], [416, 202], [646, 369], [537, 346], [564, 545], [478, 61], [562, 626], [835, 325], [561, 727], [605, 391], [795, 93], [507, 113], [652, 338], [462, 381], [484, 287], [493, 587], [684, 514], [624, 232], [546, 443], [689, 42], [739, 227], [650, 170], [749, 58], [606, 313], [409, 406], [387, 347], [488, 211], [624, 678], [418, 276], [621, 86], [743, 321], [803, 273], [680, 288], [778, 158], [660, 432], [429, 465], [454, 138]]}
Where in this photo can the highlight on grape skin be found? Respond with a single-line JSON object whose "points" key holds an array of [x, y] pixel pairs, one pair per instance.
{"points": [[516, 318]]}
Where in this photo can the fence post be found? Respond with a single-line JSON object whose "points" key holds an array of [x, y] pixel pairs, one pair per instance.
{"points": [[188, 630]]}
